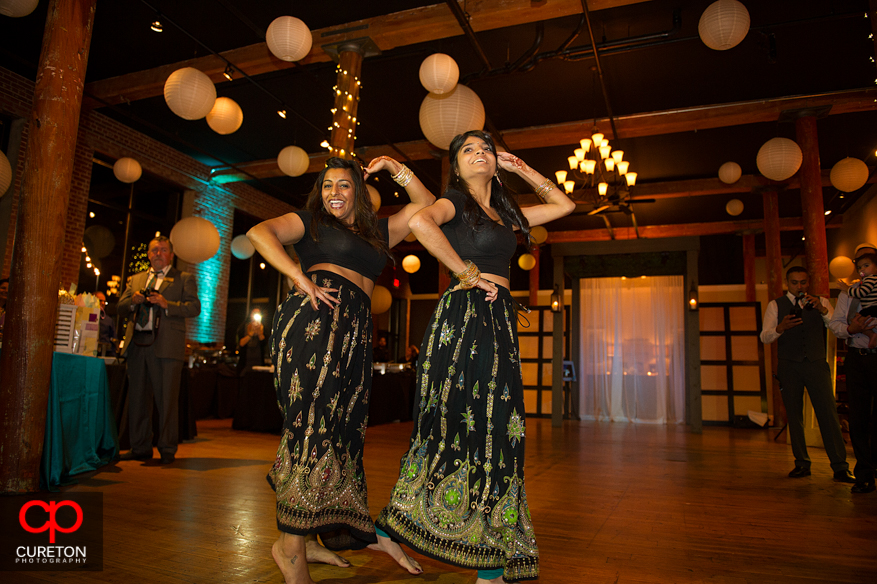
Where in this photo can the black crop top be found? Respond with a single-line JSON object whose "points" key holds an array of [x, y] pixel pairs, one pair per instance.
{"points": [[489, 246], [342, 248]]}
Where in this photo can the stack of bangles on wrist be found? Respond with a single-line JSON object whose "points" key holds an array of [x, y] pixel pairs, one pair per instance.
{"points": [[546, 187], [403, 177], [468, 277]]}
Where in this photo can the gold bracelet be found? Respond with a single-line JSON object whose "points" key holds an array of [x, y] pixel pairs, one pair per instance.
{"points": [[468, 277], [546, 187], [403, 177]]}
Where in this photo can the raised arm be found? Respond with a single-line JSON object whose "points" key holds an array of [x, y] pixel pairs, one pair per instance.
{"points": [[420, 196], [555, 204]]}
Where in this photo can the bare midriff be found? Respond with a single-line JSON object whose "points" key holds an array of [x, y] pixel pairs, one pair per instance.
{"points": [[365, 284]]}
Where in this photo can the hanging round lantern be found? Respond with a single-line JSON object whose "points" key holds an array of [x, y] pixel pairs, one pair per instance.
{"points": [[195, 239], [17, 8], [5, 174], [730, 172], [127, 170], [723, 25], [527, 261], [538, 234], [841, 267], [444, 116], [411, 263], [779, 159], [439, 73], [241, 248], [189, 93], [734, 207], [226, 116], [375, 197], [288, 38], [381, 300], [99, 241], [411, 238], [848, 175], [293, 161]]}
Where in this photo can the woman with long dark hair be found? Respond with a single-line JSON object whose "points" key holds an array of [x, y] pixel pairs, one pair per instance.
{"points": [[321, 347], [460, 494]]}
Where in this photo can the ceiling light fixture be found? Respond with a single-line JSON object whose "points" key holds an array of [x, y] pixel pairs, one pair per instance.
{"points": [[595, 164], [282, 113], [156, 24], [229, 72]]}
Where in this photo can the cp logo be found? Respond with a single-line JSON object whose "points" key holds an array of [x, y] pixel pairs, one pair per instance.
{"points": [[51, 524]]}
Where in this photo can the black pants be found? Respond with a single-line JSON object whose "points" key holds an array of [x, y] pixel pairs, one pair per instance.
{"points": [[861, 373]]}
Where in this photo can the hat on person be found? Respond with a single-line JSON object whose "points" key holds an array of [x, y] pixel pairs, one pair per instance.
{"points": [[864, 246]]}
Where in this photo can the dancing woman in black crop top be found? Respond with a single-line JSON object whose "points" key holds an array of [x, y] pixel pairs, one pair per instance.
{"points": [[460, 495], [321, 349]]}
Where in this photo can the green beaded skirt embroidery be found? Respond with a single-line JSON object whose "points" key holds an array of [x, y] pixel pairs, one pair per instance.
{"points": [[460, 495]]}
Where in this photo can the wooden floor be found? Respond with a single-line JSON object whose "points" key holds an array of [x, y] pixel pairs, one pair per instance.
{"points": [[611, 503]]}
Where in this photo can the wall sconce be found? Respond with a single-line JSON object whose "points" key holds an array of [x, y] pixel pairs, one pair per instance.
{"points": [[556, 303], [692, 299]]}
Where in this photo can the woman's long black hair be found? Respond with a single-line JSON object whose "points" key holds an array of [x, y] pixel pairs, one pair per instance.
{"points": [[505, 204], [365, 220]]}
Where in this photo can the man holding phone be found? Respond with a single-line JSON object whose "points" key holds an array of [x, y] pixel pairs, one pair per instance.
{"points": [[251, 336]]}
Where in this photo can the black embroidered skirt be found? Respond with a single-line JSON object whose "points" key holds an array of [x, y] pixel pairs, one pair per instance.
{"points": [[460, 496], [323, 373]]}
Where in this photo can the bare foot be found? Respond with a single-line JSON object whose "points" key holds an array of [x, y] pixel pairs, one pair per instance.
{"points": [[289, 554], [317, 554], [395, 551]]}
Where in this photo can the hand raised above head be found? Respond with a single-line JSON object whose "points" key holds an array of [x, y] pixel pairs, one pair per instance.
{"points": [[510, 163], [382, 163]]}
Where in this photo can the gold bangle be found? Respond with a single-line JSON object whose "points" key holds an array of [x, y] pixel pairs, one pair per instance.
{"points": [[468, 277], [543, 189], [403, 177]]}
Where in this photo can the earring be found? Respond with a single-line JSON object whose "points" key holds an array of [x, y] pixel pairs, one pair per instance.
{"points": [[499, 180]]}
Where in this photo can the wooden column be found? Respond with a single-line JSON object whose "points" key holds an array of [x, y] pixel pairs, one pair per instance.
{"points": [[812, 206], [557, 351], [346, 101], [534, 278], [28, 341], [749, 266], [774, 262]]}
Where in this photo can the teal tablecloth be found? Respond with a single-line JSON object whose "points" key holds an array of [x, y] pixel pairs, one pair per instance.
{"points": [[81, 432]]}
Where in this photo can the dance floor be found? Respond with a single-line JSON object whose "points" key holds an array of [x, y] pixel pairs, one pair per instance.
{"points": [[611, 503]]}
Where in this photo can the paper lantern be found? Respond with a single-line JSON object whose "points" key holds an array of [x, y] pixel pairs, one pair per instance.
{"points": [[439, 73], [411, 263], [375, 197], [527, 261], [779, 158], [841, 267], [848, 175], [5, 174], [444, 116], [127, 170], [288, 38], [381, 300], [17, 8], [189, 93], [723, 25], [241, 248], [195, 239], [539, 234], [734, 207], [99, 241], [730, 172], [293, 161], [411, 238], [226, 116]]}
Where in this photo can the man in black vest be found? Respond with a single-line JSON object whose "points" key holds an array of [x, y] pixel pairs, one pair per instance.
{"points": [[797, 321], [860, 367]]}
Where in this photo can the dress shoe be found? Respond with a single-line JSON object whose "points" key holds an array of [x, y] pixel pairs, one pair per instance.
{"points": [[799, 471], [167, 458], [864, 487], [844, 476], [131, 455]]}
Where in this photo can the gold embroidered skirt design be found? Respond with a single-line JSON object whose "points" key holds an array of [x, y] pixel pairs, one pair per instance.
{"points": [[460, 495], [323, 370]]}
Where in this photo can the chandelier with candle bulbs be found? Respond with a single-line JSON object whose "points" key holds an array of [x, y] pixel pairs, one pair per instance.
{"points": [[595, 165]]}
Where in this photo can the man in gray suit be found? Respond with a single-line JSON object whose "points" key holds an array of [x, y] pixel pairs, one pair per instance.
{"points": [[157, 302]]}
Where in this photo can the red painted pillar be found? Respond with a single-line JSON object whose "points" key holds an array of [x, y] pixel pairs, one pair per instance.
{"points": [[812, 207], [774, 263], [749, 266]]}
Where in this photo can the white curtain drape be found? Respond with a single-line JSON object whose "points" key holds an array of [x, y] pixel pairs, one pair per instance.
{"points": [[633, 350]]}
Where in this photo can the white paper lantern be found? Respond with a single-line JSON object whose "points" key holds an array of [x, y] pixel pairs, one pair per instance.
{"points": [[288, 38], [189, 93], [241, 248], [734, 207], [849, 174], [539, 234], [779, 158], [375, 197], [127, 170], [841, 267], [226, 116], [444, 116], [723, 25], [381, 300], [293, 161], [730, 172], [411, 263], [527, 262], [5, 174], [17, 8], [195, 239], [439, 73]]}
